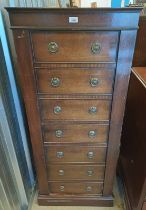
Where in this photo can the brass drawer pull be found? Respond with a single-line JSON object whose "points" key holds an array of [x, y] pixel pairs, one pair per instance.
{"points": [[61, 188], [61, 172], [90, 155], [96, 48], [90, 173], [55, 82], [57, 109], [59, 133], [94, 82], [92, 134], [52, 47], [88, 188], [92, 110], [60, 154]]}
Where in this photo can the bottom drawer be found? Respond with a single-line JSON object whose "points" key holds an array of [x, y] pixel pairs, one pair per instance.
{"points": [[76, 187]]}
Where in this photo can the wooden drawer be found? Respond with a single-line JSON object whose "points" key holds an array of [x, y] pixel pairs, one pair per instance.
{"points": [[76, 187], [71, 46], [76, 153], [76, 172], [69, 81], [75, 109], [75, 133]]}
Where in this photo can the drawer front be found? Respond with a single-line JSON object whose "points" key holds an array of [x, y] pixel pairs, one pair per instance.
{"points": [[75, 154], [75, 81], [75, 133], [89, 110], [76, 172], [75, 46], [76, 187]]}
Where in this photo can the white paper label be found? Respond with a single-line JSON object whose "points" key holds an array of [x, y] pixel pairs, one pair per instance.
{"points": [[73, 19]]}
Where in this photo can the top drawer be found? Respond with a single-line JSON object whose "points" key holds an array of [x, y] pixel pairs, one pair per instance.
{"points": [[75, 46]]}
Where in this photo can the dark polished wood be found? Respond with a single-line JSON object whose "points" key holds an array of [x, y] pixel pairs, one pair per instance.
{"points": [[76, 133], [71, 81], [71, 109], [74, 78], [76, 154], [127, 40], [27, 81], [79, 188], [139, 58], [53, 19], [79, 51], [76, 172], [80, 200], [133, 147]]}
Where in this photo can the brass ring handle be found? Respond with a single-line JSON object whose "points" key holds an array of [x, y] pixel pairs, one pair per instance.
{"points": [[57, 109], [94, 82], [61, 188], [58, 133], [92, 110], [55, 82], [96, 48], [92, 134], [90, 172], [52, 47], [90, 155], [88, 188], [60, 154], [61, 172]]}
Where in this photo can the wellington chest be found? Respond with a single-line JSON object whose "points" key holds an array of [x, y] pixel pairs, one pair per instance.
{"points": [[73, 67]]}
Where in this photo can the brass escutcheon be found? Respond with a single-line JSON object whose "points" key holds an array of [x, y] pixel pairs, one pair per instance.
{"points": [[94, 82], [57, 109], [92, 110], [55, 82], [90, 155], [59, 133], [92, 134], [96, 48], [52, 47], [60, 154]]}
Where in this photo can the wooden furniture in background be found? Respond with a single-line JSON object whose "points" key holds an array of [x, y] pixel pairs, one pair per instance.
{"points": [[139, 58], [74, 67], [133, 142]]}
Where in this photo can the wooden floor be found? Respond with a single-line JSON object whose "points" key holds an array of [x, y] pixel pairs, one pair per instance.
{"points": [[119, 204]]}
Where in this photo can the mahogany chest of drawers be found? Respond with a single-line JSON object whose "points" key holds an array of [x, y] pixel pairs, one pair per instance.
{"points": [[74, 67]]}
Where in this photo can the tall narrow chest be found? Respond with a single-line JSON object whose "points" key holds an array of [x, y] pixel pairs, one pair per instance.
{"points": [[73, 67]]}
